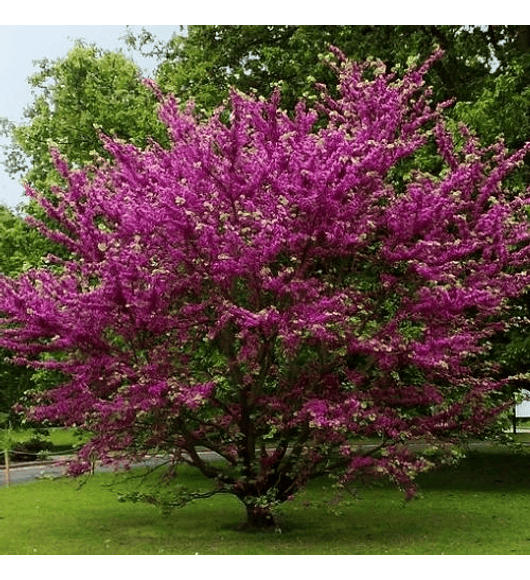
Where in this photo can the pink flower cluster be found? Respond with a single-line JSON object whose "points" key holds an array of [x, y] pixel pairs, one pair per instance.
{"points": [[272, 287]]}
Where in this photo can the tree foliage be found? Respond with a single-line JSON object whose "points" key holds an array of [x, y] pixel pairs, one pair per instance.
{"points": [[76, 97], [87, 91], [21, 248], [210, 59], [486, 68], [262, 290]]}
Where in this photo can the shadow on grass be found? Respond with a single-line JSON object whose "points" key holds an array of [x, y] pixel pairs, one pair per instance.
{"points": [[376, 526], [480, 471]]}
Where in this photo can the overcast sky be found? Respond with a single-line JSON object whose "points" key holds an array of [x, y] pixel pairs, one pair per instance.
{"points": [[20, 45]]}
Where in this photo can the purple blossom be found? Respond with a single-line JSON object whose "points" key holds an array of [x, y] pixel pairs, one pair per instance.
{"points": [[265, 289]]}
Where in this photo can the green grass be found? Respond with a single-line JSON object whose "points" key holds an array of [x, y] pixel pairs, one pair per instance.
{"points": [[59, 437], [521, 437], [65, 439], [481, 507]]}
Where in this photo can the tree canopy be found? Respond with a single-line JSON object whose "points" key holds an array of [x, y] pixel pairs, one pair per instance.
{"points": [[88, 91], [485, 68], [261, 288], [21, 248]]}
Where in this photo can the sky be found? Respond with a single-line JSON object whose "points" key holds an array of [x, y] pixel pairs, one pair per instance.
{"points": [[20, 45]]}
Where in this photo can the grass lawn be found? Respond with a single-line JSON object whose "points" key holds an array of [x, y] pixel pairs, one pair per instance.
{"points": [[65, 439], [480, 507]]}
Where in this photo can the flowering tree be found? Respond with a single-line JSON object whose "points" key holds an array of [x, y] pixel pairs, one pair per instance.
{"points": [[273, 288]]}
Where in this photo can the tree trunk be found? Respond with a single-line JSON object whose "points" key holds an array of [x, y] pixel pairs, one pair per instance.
{"points": [[523, 38], [259, 518]]}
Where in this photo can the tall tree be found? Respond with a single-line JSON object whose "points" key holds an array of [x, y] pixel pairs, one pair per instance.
{"points": [[21, 248], [261, 289], [87, 91], [75, 97], [210, 59]]}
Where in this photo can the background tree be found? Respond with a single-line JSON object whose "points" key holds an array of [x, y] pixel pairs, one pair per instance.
{"points": [[21, 248], [210, 59], [87, 91], [75, 97], [486, 68], [261, 289]]}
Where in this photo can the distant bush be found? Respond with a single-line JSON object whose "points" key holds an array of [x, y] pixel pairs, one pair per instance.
{"points": [[30, 450]]}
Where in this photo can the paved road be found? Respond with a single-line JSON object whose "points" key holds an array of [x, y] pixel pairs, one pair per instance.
{"points": [[28, 472]]}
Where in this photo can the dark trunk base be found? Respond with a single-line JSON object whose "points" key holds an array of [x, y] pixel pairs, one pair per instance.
{"points": [[258, 518]]}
